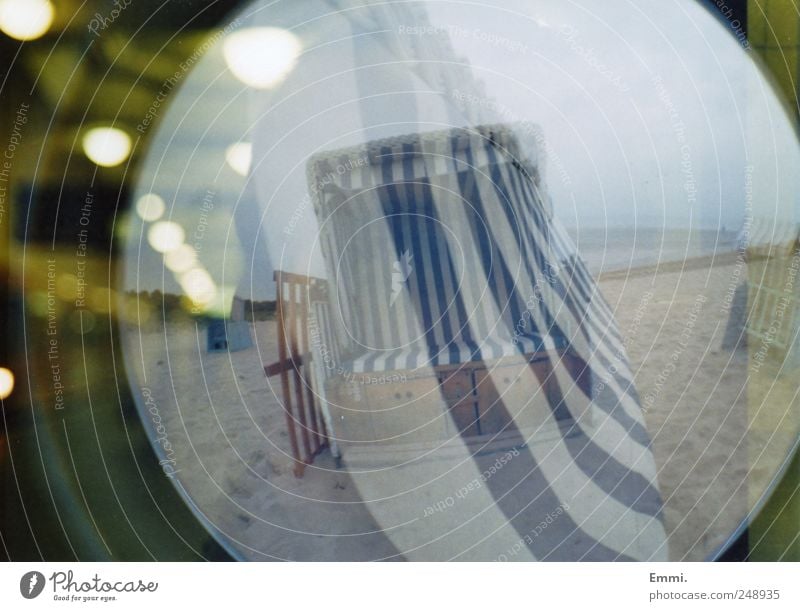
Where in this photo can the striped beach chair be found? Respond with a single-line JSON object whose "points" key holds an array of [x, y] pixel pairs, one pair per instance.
{"points": [[436, 274], [460, 328]]}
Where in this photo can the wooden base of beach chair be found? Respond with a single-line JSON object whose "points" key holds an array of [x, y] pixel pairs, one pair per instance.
{"points": [[512, 399]]}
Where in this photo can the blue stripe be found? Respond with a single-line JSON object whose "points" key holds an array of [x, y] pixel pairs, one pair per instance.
{"points": [[434, 236]]}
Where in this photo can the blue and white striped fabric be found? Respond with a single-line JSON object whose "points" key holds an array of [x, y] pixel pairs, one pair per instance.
{"points": [[387, 223], [440, 251]]}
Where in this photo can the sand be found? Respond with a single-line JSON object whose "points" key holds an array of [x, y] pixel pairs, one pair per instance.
{"points": [[716, 445]]}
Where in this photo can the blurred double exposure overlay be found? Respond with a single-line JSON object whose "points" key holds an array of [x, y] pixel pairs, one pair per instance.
{"points": [[432, 281]]}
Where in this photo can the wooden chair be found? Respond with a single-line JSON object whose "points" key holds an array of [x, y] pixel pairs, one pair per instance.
{"points": [[305, 419]]}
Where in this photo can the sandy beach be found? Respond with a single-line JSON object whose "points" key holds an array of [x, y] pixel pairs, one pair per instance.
{"points": [[716, 445]]}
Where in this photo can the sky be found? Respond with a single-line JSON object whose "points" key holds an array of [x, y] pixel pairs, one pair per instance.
{"points": [[654, 115]]}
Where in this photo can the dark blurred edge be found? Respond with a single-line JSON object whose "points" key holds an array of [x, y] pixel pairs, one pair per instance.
{"points": [[115, 502]]}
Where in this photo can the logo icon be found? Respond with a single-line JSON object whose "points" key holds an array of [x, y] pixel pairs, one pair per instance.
{"points": [[31, 584], [401, 271]]}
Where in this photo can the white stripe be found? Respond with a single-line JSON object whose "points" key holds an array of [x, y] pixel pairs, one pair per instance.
{"points": [[356, 179], [440, 165]]}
